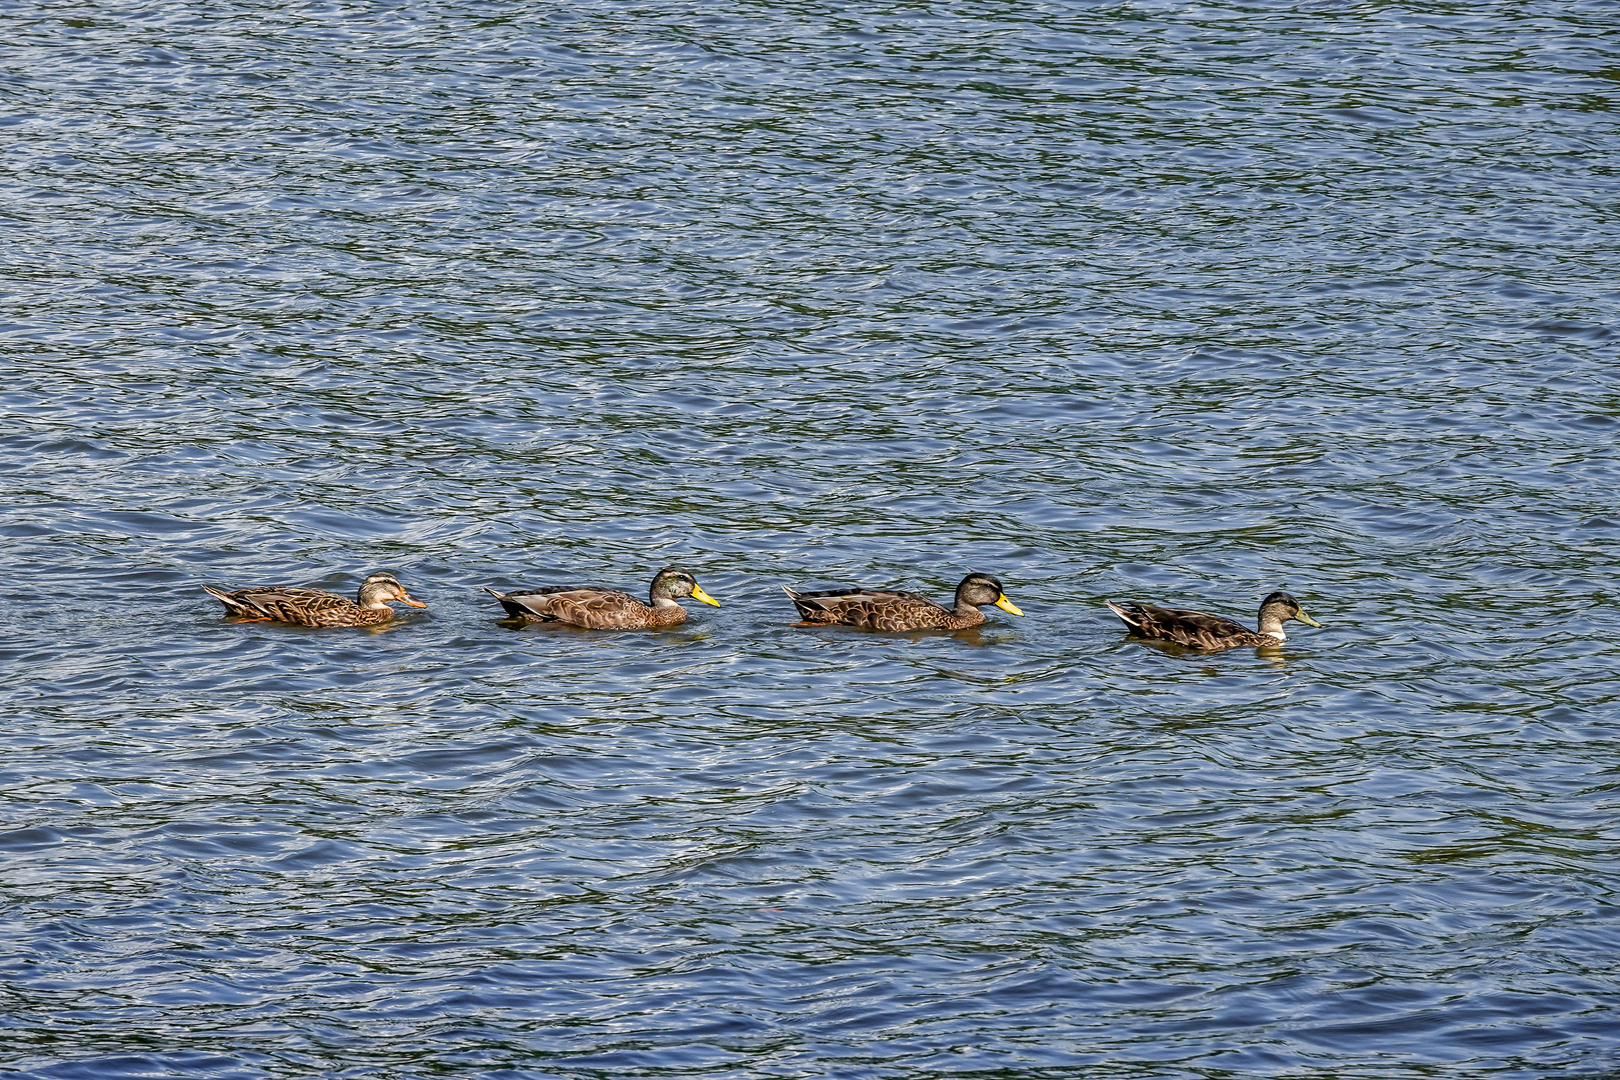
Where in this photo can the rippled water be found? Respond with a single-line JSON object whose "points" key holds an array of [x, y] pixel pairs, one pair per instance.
{"points": [[1147, 300]]}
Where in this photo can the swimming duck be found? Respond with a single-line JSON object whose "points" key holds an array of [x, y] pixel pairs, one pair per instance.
{"points": [[883, 609], [1199, 630], [316, 607], [597, 608]]}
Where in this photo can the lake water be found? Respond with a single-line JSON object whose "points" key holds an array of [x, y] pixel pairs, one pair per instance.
{"points": [[1177, 303]]}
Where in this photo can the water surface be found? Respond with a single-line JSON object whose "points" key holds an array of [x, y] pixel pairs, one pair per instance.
{"points": [[1140, 300]]}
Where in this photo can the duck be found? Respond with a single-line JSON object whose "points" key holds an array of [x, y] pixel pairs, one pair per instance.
{"points": [[598, 608], [887, 609], [1200, 630], [317, 607]]}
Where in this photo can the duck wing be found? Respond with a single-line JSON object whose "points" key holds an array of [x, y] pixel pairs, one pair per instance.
{"points": [[286, 603], [874, 609], [578, 605], [1194, 629]]}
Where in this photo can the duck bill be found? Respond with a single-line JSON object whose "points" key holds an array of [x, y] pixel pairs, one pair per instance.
{"points": [[407, 598], [1007, 605], [699, 594], [1307, 620]]}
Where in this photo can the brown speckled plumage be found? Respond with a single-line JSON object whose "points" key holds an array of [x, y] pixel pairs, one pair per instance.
{"points": [[316, 607], [885, 609], [1200, 630], [598, 608]]}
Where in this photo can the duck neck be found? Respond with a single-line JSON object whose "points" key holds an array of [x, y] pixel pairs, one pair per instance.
{"points": [[1271, 625], [967, 612]]}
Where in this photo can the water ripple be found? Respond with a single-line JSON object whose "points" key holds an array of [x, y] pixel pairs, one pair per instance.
{"points": [[1174, 303]]}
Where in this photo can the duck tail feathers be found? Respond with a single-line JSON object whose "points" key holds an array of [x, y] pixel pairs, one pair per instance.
{"points": [[232, 604], [1124, 616]]}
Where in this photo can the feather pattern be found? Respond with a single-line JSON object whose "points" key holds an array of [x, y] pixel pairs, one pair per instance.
{"points": [[888, 609]]}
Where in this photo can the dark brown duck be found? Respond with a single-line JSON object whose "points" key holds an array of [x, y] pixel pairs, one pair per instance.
{"points": [[886, 609], [1201, 630], [598, 608]]}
